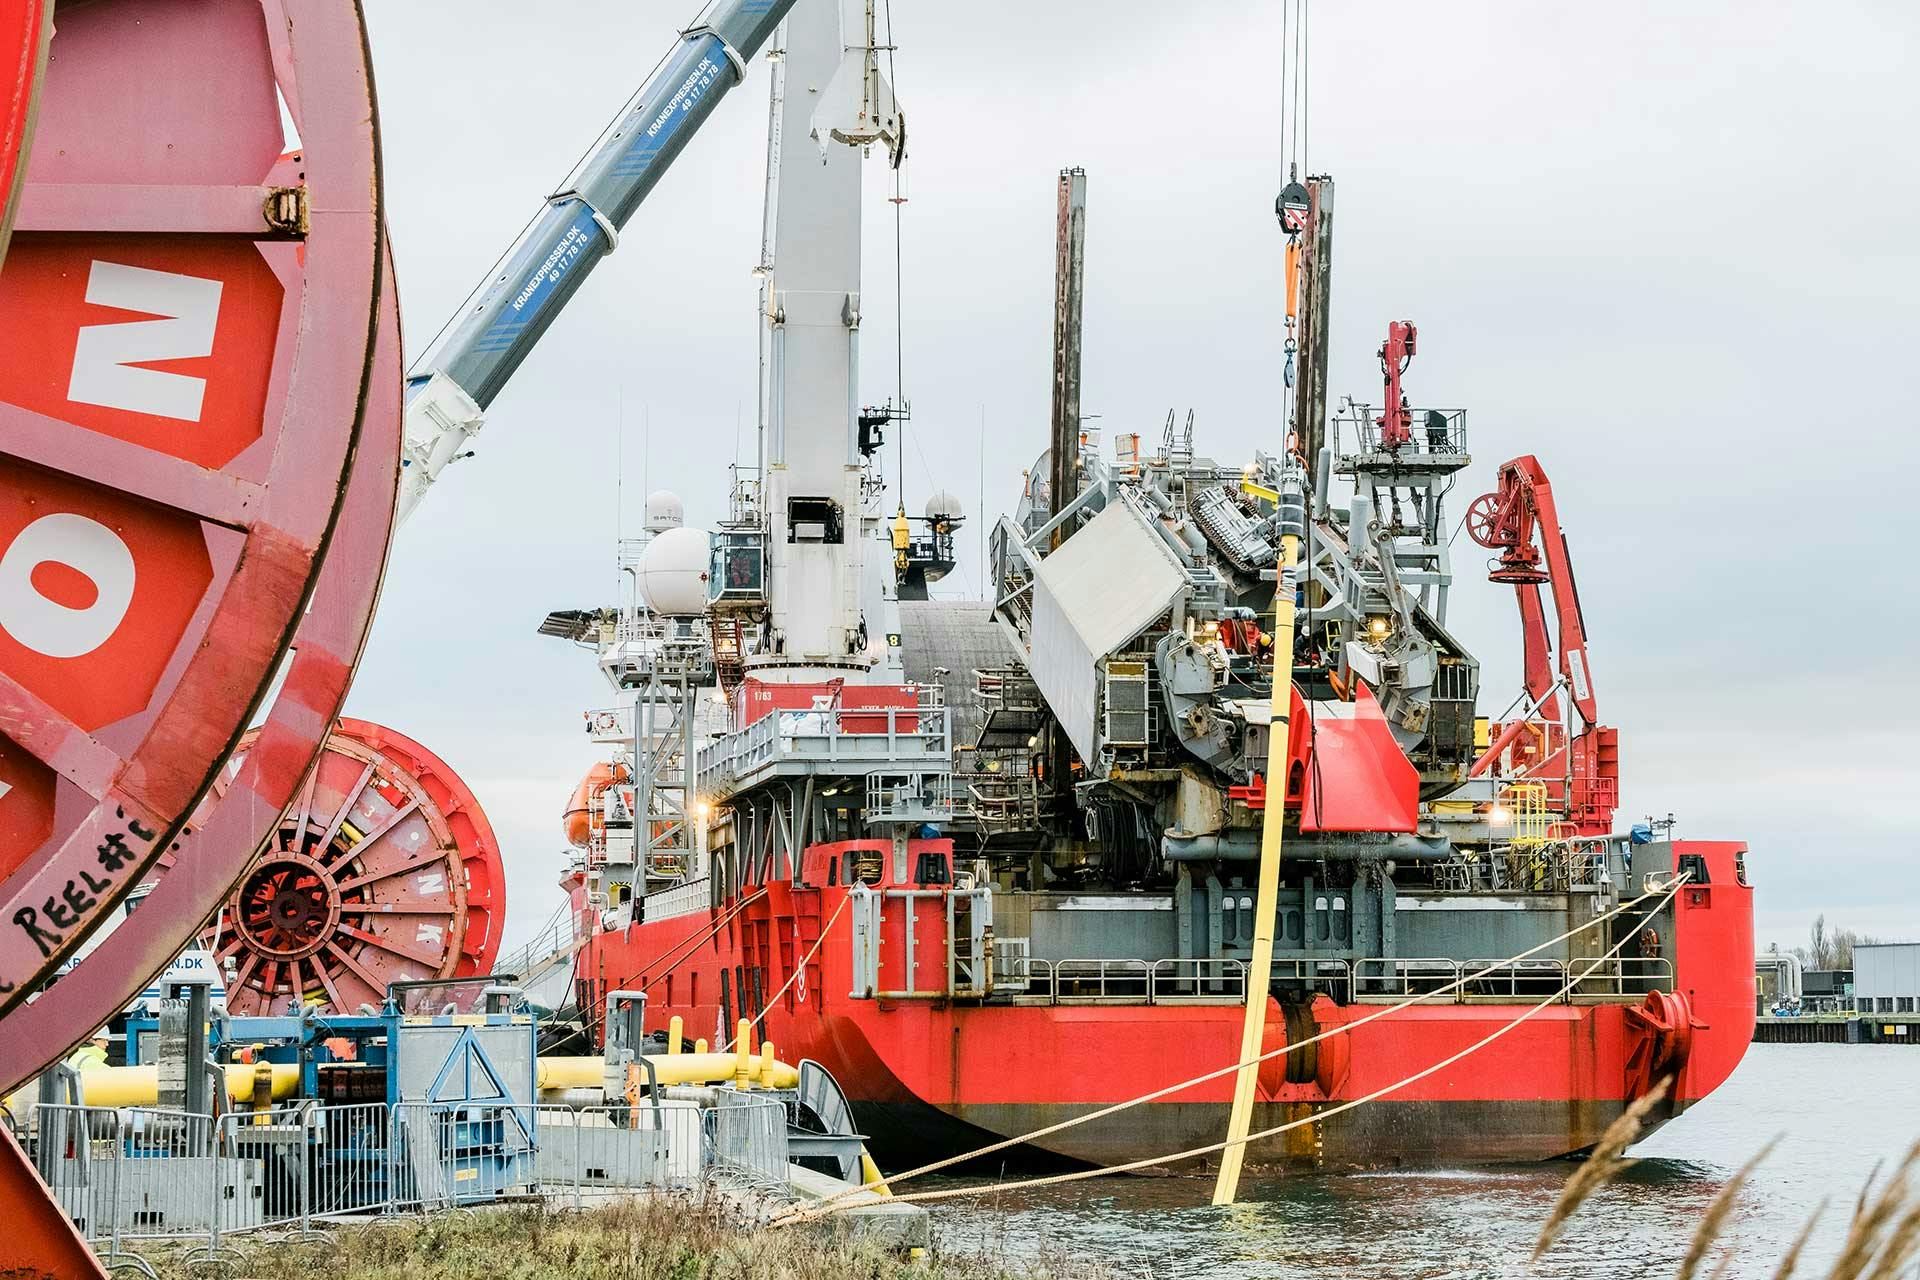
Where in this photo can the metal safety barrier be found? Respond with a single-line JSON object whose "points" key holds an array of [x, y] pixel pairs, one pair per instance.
{"points": [[748, 1135], [135, 1174]]}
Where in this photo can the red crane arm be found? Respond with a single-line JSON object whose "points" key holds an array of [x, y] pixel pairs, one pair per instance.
{"points": [[1521, 520], [1396, 353], [1537, 649]]}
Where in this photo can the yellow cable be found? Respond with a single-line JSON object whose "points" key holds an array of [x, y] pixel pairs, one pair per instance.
{"points": [[830, 1205], [1253, 1028], [1282, 1051]]}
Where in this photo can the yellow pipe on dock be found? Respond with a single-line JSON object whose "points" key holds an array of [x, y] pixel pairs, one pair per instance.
{"points": [[676, 1068], [140, 1086]]}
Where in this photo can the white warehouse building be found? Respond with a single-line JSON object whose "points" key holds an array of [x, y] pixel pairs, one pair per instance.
{"points": [[1886, 977]]}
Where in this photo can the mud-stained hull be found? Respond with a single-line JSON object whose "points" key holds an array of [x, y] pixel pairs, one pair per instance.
{"points": [[1384, 1135]]}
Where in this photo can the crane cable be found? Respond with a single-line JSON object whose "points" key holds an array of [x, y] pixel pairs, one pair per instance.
{"points": [[1667, 890], [1294, 84]]}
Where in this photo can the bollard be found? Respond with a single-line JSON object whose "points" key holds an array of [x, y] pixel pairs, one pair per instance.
{"points": [[766, 1064], [674, 1027], [743, 1060]]}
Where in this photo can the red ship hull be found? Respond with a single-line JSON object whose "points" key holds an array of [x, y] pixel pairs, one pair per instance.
{"points": [[930, 1078]]}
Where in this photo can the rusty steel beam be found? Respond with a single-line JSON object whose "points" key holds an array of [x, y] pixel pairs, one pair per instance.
{"points": [[1069, 288], [1316, 269]]}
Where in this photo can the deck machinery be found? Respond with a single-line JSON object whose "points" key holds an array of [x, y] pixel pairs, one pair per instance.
{"points": [[990, 861], [1141, 635]]}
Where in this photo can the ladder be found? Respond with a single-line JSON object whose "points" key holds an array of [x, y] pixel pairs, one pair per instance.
{"points": [[729, 653]]}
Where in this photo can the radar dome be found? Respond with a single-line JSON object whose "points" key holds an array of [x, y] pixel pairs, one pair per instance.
{"points": [[665, 511], [672, 573], [944, 506]]}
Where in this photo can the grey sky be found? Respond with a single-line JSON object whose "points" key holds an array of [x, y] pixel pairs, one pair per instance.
{"points": [[1666, 247]]}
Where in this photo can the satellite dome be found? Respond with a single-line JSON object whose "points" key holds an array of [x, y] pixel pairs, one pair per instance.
{"points": [[672, 573], [665, 511], [944, 506]]}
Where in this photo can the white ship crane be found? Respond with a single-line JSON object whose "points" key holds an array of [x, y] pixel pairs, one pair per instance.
{"points": [[733, 636]]}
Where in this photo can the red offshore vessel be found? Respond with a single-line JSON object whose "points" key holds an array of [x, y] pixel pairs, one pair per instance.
{"points": [[992, 862]]}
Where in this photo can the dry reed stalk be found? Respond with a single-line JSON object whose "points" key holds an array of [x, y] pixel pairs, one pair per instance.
{"points": [[1791, 1258], [1902, 1246], [1714, 1221], [1866, 1189], [1600, 1167], [1872, 1218]]}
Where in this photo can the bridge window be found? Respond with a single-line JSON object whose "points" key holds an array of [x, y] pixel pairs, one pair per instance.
{"points": [[932, 869]]}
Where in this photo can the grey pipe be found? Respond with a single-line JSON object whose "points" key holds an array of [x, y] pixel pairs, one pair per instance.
{"points": [[1243, 845]]}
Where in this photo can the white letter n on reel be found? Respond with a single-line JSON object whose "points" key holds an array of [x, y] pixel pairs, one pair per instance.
{"points": [[106, 357]]}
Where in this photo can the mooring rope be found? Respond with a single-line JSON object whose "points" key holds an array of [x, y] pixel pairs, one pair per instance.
{"points": [[794, 977], [595, 1017], [693, 943], [1665, 893]]}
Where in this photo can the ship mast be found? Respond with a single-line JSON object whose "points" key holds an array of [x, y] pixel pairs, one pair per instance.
{"points": [[828, 602]]}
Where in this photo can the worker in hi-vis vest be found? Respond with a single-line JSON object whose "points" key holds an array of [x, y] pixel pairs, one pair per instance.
{"points": [[91, 1054]]}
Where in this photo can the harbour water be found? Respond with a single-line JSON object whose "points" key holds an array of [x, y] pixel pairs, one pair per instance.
{"points": [[1838, 1110]]}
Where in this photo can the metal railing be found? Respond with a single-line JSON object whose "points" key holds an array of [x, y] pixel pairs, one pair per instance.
{"points": [[962, 955], [1002, 801], [1440, 431], [1197, 980], [565, 932], [848, 739], [1222, 980], [131, 1175], [909, 797]]}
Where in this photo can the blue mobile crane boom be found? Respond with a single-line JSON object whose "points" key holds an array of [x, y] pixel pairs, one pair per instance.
{"points": [[449, 391]]}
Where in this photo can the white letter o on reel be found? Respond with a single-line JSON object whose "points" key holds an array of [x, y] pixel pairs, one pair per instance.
{"points": [[47, 626]]}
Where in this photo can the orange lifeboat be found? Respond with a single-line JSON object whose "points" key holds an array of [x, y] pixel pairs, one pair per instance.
{"points": [[582, 820]]}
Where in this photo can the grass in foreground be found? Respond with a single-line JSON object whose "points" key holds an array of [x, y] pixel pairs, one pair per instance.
{"points": [[643, 1240]]}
